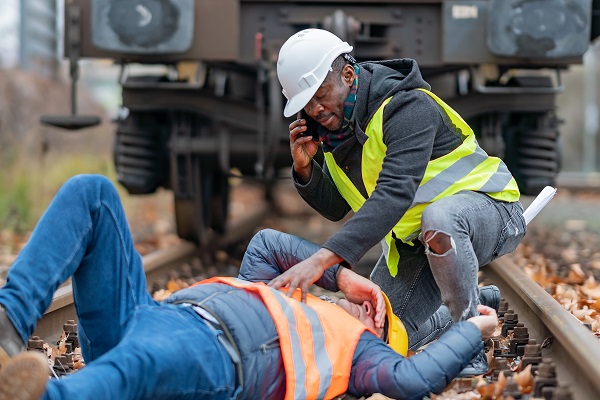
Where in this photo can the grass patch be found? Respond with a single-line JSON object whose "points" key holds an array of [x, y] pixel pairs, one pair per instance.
{"points": [[28, 187]]}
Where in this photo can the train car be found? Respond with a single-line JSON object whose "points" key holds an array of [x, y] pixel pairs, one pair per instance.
{"points": [[217, 108]]}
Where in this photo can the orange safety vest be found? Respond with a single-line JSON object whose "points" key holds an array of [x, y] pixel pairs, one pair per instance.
{"points": [[317, 340]]}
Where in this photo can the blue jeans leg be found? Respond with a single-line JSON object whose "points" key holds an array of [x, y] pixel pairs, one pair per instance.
{"points": [[414, 295], [480, 230], [167, 353], [83, 234], [432, 290]]}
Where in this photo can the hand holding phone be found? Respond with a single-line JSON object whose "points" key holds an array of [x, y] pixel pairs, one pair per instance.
{"points": [[314, 134], [303, 150]]}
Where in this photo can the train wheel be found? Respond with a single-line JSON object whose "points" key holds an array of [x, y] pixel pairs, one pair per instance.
{"points": [[206, 210]]}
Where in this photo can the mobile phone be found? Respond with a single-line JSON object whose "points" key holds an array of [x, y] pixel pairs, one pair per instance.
{"points": [[315, 135]]}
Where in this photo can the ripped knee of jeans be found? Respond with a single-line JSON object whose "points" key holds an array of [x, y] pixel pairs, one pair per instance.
{"points": [[438, 243]]}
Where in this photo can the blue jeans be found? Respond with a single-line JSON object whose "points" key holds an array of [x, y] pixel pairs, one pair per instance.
{"points": [[134, 347], [431, 291]]}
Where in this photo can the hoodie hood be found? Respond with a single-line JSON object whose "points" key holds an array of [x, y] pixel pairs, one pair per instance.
{"points": [[379, 80]]}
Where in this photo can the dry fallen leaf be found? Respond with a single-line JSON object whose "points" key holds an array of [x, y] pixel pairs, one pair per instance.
{"points": [[500, 385], [525, 380], [161, 294], [176, 284], [78, 364], [576, 275]]}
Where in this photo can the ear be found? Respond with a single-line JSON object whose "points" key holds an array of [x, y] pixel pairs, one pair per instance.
{"points": [[348, 74]]}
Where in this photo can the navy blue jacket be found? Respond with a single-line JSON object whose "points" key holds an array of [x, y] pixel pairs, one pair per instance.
{"points": [[375, 367]]}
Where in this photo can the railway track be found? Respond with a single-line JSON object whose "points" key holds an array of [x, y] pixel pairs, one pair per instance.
{"points": [[572, 347]]}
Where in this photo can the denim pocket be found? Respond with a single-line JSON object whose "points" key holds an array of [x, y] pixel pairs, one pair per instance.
{"points": [[513, 231]]}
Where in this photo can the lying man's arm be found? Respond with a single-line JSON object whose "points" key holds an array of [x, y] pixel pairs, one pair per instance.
{"points": [[376, 368], [270, 253]]}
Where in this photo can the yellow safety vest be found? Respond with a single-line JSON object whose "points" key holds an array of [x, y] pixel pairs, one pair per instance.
{"points": [[316, 357], [468, 167]]}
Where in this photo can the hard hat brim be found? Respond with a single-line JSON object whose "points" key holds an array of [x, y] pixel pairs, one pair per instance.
{"points": [[397, 335], [300, 100]]}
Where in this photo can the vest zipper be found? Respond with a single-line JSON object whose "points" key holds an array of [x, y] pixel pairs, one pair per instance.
{"points": [[270, 344]]}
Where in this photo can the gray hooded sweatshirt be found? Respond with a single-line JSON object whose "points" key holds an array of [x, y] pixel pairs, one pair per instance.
{"points": [[415, 130]]}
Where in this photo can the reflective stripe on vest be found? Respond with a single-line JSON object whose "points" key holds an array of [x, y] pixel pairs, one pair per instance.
{"points": [[468, 167], [317, 358]]}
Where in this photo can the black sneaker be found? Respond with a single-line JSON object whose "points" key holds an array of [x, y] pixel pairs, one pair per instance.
{"points": [[24, 377], [10, 340], [490, 296], [477, 366]]}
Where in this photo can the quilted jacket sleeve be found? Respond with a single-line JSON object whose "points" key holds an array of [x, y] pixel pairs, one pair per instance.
{"points": [[270, 253], [376, 368]]}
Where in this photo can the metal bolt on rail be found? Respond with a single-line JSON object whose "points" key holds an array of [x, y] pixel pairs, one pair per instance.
{"points": [[186, 271], [173, 275], [497, 347], [519, 340], [562, 393], [70, 328], [512, 389], [532, 356], [510, 322], [502, 309], [69, 356], [548, 392], [60, 366], [35, 344], [546, 377], [501, 366]]}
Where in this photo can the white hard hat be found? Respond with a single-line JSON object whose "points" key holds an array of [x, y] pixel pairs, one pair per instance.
{"points": [[303, 63]]}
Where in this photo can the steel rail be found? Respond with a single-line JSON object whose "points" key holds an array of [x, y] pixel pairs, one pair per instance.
{"points": [[574, 349], [62, 308], [579, 181]]}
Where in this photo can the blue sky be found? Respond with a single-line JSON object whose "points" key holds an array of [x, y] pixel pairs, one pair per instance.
{"points": [[9, 33]]}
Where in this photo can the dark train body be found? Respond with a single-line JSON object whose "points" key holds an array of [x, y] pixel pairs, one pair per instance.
{"points": [[219, 108]]}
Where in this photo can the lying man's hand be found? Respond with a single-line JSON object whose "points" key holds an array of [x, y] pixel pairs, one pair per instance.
{"points": [[487, 322]]}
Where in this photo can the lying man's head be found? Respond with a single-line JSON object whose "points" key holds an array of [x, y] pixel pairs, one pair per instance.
{"points": [[364, 312], [393, 333]]}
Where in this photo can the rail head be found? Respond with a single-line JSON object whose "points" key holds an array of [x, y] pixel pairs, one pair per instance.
{"points": [[575, 350]]}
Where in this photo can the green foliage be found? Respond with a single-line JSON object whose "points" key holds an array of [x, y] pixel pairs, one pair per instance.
{"points": [[27, 187], [15, 202]]}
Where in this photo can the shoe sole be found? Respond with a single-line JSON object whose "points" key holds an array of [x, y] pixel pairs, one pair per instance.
{"points": [[24, 377]]}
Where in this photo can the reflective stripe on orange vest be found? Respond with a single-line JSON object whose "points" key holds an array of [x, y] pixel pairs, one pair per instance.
{"points": [[317, 340]]}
